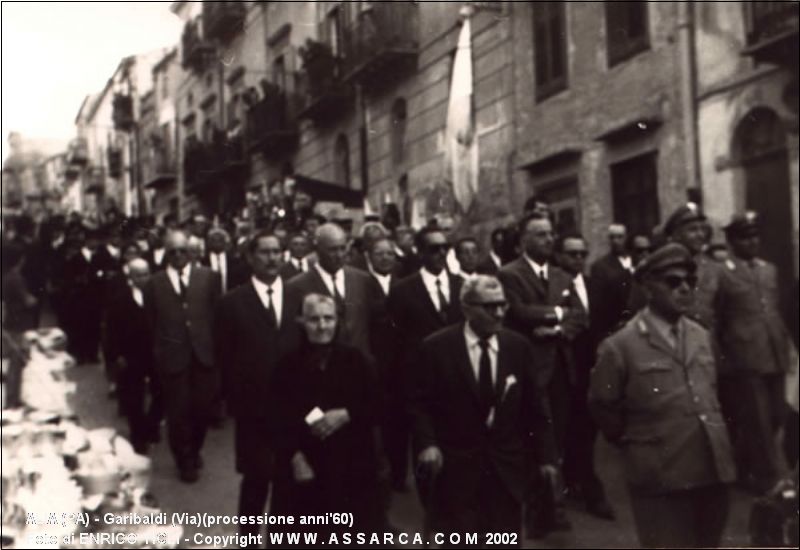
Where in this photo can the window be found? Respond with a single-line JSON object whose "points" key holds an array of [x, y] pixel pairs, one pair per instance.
{"points": [[550, 47], [332, 30], [562, 198], [164, 85], [398, 130], [626, 30], [279, 72], [635, 193], [341, 161]]}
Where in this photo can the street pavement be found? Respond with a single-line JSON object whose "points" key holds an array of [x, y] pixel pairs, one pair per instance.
{"points": [[217, 490]]}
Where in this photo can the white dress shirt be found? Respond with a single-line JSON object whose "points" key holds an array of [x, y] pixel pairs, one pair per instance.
{"points": [[496, 259], [626, 262], [219, 264], [329, 280], [113, 250], [86, 254], [580, 288], [175, 277], [300, 264], [277, 295], [158, 255], [138, 297], [474, 350], [384, 280], [429, 280], [453, 265]]}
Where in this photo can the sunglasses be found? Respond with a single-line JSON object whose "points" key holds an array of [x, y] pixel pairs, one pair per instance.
{"points": [[178, 250], [674, 281], [576, 253], [434, 248], [490, 306], [642, 249]]}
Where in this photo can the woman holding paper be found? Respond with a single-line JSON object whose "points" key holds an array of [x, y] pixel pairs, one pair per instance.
{"points": [[324, 418]]}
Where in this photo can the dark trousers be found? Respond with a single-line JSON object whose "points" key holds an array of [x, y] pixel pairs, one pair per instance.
{"points": [[491, 509], [396, 439], [694, 518], [755, 409], [82, 326], [579, 472], [253, 493], [189, 397], [133, 384]]}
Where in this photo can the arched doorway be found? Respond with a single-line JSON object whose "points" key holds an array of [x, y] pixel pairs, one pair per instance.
{"points": [[759, 147]]}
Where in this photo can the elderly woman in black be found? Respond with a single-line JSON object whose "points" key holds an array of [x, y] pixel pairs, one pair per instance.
{"points": [[324, 418]]}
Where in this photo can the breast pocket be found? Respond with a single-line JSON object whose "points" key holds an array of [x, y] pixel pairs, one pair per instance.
{"points": [[652, 379]]}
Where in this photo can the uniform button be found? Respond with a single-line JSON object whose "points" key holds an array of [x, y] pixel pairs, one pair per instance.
{"points": [[188, 323], [696, 399], [655, 390], [703, 417]]}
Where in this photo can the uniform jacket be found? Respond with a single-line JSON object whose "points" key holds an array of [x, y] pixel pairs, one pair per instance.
{"points": [[446, 412], [532, 305], [706, 293], [363, 299], [660, 405], [179, 331], [752, 335]]}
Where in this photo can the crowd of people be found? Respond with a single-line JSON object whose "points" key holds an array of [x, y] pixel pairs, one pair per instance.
{"points": [[353, 365]]}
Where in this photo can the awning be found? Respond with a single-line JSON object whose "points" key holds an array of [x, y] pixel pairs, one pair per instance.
{"points": [[321, 191]]}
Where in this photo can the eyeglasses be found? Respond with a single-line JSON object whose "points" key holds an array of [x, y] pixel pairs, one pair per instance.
{"points": [[642, 249], [178, 250], [434, 248], [490, 306], [675, 281], [576, 253]]}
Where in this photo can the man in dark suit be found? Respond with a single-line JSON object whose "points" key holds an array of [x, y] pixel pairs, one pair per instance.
{"points": [[613, 276], [297, 261], [254, 328], [755, 347], [541, 307], [155, 254], [419, 305], [357, 294], [468, 256], [231, 269], [493, 262], [408, 261], [180, 303], [128, 347], [579, 470], [478, 417]]}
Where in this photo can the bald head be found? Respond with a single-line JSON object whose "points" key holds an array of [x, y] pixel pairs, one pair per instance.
{"points": [[331, 247], [138, 272], [617, 239], [176, 247]]}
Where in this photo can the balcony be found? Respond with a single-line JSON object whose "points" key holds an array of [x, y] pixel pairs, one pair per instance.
{"points": [[78, 152], [159, 169], [223, 20], [205, 163], [122, 113], [96, 180], [382, 42], [196, 50], [115, 166], [772, 32], [324, 94], [272, 122]]}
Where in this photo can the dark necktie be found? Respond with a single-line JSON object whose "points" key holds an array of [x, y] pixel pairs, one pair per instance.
{"points": [[182, 287], [338, 298], [543, 277], [271, 313], [442, 301], [485, 386]]}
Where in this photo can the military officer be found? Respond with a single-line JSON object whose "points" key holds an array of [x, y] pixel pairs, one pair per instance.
{"points": [[653, 393], [755, 345]]}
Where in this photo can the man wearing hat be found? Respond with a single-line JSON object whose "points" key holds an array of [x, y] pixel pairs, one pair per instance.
{"points": [[756, 345], [689, 227], [653, 393]]}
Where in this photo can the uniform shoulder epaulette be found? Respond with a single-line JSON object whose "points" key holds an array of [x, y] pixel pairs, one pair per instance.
{"points": [[760, 263], [730, 265]]}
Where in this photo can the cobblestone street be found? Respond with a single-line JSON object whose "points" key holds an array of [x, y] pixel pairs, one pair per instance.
{"points": [[217, 490]]}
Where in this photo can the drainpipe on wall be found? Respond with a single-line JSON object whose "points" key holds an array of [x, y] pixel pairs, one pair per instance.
{"points": [[686, 31]]}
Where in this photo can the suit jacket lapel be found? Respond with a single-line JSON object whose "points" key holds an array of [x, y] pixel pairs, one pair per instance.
{"points": [[423, 294], [530, 275], [464, 364], [256, 306], [503, 370]]}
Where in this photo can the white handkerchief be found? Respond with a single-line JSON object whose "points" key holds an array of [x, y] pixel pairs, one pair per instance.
{"points": [[315, 414], [510, 381]]}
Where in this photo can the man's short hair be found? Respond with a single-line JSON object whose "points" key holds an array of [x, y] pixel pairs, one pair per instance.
{"points": [[219, 231], [566, 236], [470, 287], [528, 218], [252, 243], [380, 240], [422, 234], [369, 226], [463, 240]]}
